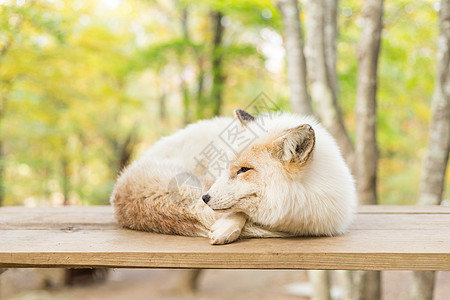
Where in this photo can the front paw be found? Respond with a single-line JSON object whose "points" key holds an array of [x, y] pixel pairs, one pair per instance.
{"points": [[224, 231]]}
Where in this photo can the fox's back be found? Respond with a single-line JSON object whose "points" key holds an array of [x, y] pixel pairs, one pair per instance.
{"points": [[187, 146]]}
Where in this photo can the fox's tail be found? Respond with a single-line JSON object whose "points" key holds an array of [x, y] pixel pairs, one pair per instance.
{"points": [[150, 197]]}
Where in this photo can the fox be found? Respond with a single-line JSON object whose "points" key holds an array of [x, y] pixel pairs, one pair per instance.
{"points": [[273, 175]]}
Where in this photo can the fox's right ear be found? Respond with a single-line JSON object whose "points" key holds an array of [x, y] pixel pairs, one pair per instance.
{"points": [[243, 117], [296, 145]]}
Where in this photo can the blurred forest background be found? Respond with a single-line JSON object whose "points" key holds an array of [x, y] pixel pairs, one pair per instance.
{"points": [[88, 85]]}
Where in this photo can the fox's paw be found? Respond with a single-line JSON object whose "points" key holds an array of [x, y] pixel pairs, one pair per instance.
{"points": [[224, 231]]}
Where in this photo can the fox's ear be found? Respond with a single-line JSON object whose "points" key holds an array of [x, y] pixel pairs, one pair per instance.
{"points": [[243, 117], [296, 145]]}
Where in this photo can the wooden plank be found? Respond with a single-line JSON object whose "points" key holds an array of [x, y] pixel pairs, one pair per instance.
{"points": [[56, 217], [104, 214], [85, 217], [78, 221], [403, 209], [89, 237], [398, 221], [123, 248]]}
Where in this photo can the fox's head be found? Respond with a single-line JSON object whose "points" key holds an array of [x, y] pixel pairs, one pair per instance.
{"points": [[270, 180]]}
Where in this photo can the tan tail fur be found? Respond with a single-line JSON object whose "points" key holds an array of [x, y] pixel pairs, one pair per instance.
{"points": [[145, 200]]}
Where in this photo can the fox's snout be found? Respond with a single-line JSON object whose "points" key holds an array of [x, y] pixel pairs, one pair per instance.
{"points": [[206, 198]]}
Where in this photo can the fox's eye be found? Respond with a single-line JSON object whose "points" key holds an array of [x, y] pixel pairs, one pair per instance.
{"points": [[243, 170]]}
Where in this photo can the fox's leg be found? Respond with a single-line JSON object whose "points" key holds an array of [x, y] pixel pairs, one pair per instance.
{"points": [[232, 226], [252, 230], [227, 229]]}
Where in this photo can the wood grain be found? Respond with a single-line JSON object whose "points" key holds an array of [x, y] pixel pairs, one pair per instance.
{"points": [[415, 238]]}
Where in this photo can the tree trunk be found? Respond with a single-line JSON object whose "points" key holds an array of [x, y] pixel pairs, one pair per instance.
{"points": [[296, 64], [4, 90], [217, 70], [184, 22], [436, 156], [320, 280], [422, 286], [126, 149], [186, 100], [184, 87], [435, 161], [122, 148], [199, 112], [162, 106], [366, 146], [199, 109], [347, 284], [5, 87], [65, 178], [321, 39], [188, 282], [2, 170], [366, 284], [331, 38]]}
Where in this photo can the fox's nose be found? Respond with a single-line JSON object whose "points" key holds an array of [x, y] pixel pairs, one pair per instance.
{"points": [[206, 198]]}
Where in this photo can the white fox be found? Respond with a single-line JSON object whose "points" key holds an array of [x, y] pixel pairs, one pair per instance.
{"points": [[275, 175]]}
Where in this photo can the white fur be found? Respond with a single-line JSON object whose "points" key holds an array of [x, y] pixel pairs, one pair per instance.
{"points": [[318, 200]]}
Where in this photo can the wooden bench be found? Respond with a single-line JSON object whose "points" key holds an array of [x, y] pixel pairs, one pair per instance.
{"points": [[381, 238]]}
